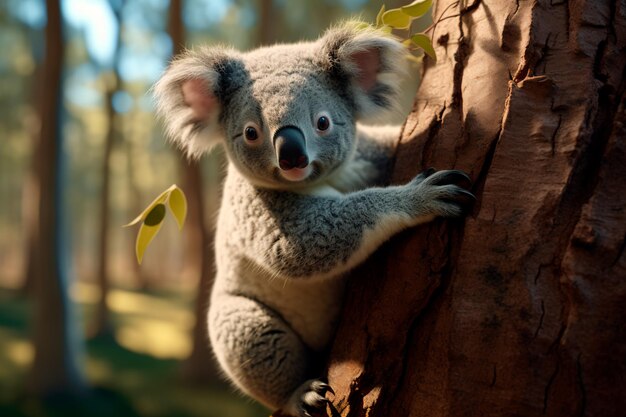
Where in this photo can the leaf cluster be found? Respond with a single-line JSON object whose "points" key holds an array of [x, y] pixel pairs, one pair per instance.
{"points": [[401, 19]]}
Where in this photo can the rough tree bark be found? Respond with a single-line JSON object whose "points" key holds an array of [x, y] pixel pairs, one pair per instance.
{"points": [[58, 349], [519, 309]]}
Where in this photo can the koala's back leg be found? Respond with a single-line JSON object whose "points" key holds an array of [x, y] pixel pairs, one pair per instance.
{"points": [[258, 350]]}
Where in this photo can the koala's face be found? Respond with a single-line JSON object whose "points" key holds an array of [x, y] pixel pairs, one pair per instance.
{"points": [[288, 125], [286, 114]]}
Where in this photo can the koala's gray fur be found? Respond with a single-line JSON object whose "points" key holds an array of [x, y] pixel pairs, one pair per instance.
{"points": [[286, 236]]}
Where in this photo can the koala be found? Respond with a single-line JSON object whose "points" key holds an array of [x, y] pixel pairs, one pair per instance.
{"points": [[303, 199]]}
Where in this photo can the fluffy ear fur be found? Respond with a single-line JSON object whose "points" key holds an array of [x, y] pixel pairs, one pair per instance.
{"points": [[371, 61], [190, 95]]}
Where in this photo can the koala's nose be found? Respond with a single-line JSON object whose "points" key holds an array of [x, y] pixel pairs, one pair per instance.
{"points": [[290, 148]]}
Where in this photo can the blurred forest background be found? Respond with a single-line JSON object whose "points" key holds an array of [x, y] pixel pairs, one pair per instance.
{"points": [[84, 330]]}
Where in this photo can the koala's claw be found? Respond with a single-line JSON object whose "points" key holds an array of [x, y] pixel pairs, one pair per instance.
{"points": [[308, 400], [448, 177], [424, 174], [462, 198], [445, 193]]}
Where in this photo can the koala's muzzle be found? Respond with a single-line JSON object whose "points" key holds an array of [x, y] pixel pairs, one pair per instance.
{"points": [[290, 147]]}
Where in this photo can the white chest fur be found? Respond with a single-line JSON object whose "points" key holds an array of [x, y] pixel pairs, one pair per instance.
{"points": [[310, 307]]}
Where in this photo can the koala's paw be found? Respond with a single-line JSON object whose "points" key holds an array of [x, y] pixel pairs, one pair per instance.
{"points": [[444, 193], [306, 401]]}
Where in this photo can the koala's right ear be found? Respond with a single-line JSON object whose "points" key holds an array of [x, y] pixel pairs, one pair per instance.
{"points": [[191, 93]]}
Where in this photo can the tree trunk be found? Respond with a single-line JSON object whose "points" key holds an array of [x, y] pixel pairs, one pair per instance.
{"points": [[517, 310], [102, 327], [30, 218], [268, 22], [200, 365], [30, 196], [58, 349]]}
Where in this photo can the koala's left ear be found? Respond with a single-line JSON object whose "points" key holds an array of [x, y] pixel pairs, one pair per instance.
{"points": [[370, 61]]}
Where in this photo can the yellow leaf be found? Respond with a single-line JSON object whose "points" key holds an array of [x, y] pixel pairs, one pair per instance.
{"points": [[144, 237], [178, 204], [397, 19], [425, 43], [415, 59], [418, 8], [379, 16], [160, 199], [361, 25]]}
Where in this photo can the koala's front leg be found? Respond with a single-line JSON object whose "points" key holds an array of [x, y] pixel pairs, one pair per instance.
{"points": [[326, 236]]}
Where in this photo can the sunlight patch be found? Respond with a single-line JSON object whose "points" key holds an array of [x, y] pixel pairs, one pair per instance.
{"points": [[159, 339], [20, 352]]}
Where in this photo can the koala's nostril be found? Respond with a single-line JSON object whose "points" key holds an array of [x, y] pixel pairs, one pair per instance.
{"points": [[285, 164], [290, 147], [302, 161]]}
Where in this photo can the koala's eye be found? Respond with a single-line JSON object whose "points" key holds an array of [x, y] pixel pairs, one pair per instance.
{"points": [[323, 123], [251, 133]]}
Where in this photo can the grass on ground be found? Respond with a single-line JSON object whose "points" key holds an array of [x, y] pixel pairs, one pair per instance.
{"points": [[135, 374]]}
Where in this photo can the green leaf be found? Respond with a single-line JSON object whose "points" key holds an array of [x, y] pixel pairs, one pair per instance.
{"points": [[379, 16], [425, 43], [160, 199], [144, 237], [418, 8], [178, 204], [397, 19], [155, 216]]}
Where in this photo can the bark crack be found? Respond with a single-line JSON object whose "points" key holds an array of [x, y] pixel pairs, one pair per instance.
{"points": [[516, 8], [433, 130], [581, 385], [546, 393], [543, 54], [460, 58], [620, 252], [452, 252], [540, 325], [553, 137], [479, 184]]}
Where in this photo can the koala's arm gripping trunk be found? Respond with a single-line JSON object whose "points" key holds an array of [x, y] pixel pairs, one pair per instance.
{"points": [[320, 237], [306, 236]]}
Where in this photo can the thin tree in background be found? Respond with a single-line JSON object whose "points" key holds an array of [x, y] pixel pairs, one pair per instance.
{"points": [[58, 347], [199, 366], [30, 193], [30, 219], [102, 325], [519, 309], [266, 30]]}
